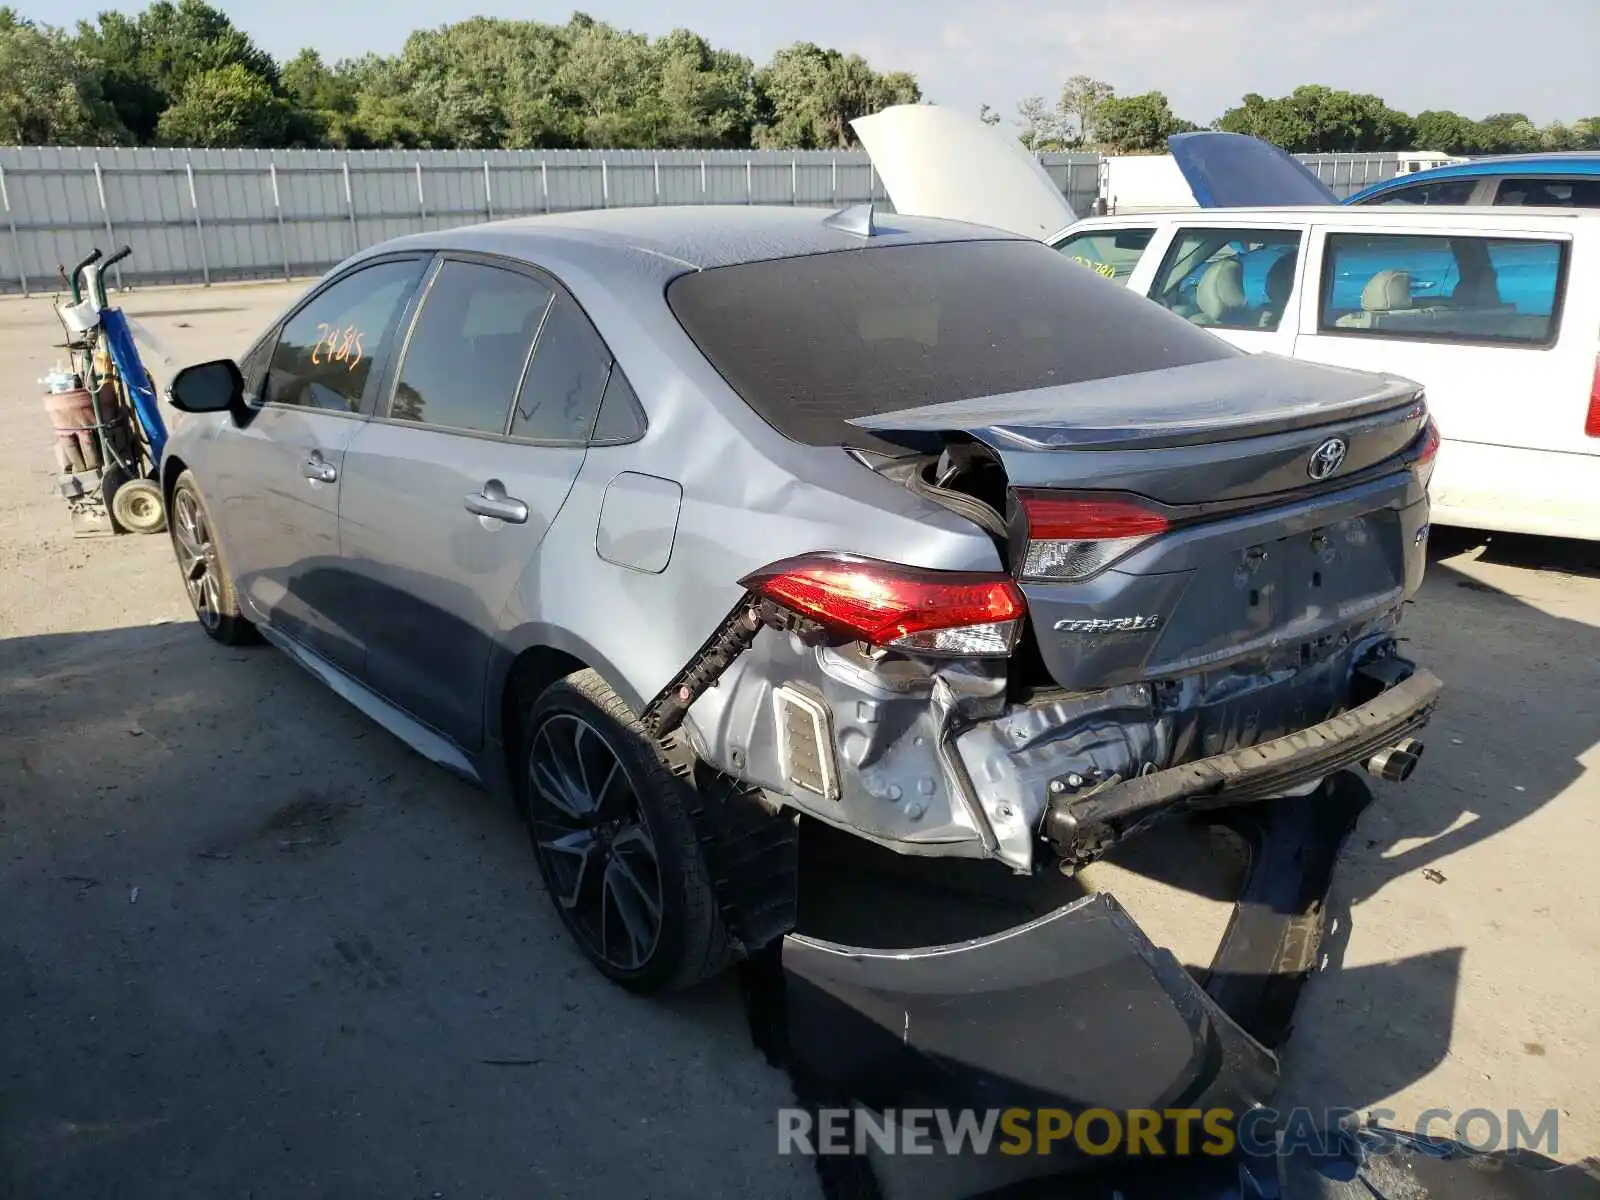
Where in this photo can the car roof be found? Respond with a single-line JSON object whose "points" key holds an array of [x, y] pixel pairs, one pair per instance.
{"points": [[674, 239], [1424, 215], [1572, 162]]}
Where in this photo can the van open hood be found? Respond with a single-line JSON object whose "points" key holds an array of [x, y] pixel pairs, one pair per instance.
{"points": [[1230, 170], [938, 162]]}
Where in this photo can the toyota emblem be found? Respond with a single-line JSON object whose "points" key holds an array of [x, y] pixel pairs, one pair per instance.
{"points": [[1326, 459]]}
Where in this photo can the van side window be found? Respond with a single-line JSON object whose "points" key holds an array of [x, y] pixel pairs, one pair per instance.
{"points": [[1114, 253], [1550, 193], [1440, 191], [1443, 289], [1229, 278]]}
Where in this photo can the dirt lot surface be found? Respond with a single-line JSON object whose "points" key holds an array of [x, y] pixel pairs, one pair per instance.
{"points": [[251, 945]]}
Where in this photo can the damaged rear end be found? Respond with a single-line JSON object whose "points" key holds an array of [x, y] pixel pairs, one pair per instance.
{"points": [[1199, 558], [1175, 583], [1213, 561]]}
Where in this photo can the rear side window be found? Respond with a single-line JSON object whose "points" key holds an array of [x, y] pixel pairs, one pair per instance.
{"points": [[1450, 289], [1549, 193], [1229, 278], [324, 356], [469, 347], [812, 342], [1440, 191], [1114, 253], [621, 418], [561, 392]]}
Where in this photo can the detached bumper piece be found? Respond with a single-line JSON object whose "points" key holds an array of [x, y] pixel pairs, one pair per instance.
{"points": [[1077, 1009], [1082, 825]]}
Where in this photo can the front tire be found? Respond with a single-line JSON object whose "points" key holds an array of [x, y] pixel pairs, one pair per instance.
{"points": [[205, 571], [614, 842]]}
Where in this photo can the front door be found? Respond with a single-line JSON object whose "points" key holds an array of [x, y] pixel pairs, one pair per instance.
{"points": [[1238, 282], [450, 490], [277, 483]]}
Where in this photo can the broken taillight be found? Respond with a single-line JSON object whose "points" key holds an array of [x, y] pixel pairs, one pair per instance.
{"points": [[888, 604], [1073, 537]]}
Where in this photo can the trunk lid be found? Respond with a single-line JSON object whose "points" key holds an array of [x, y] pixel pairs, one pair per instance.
{"points": [[937, 162], [1272, 543]]}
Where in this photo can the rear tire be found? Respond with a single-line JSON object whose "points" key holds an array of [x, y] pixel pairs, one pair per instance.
{"points": [[204, 569], [614, 841]]}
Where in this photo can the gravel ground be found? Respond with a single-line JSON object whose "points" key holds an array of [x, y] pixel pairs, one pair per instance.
{"points": [[251, 945]]}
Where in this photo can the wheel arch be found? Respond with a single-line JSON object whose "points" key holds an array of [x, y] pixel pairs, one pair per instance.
{"points": [[527, 663]]}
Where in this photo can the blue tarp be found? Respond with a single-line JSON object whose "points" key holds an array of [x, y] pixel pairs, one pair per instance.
{"points": [[140, 389]]}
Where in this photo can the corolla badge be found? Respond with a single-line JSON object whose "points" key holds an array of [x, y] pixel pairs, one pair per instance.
{"points": [[1110, 624], [1327, 458]]}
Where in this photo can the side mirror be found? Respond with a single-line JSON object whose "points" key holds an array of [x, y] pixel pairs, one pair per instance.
{"points": [[208, 387]]}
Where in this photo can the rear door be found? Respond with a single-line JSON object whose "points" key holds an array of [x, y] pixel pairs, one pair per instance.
{"points": [[276, 481], [451, 488], [1237, 280], [1501, 327], [1473, 314]]}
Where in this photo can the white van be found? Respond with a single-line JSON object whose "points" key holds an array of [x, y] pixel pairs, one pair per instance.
{"points": [[1496, 312]]}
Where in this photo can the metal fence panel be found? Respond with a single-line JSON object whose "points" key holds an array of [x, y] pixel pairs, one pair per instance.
{"points": [[198, 216]]}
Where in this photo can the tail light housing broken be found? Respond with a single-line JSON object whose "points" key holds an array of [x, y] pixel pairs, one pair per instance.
{"points": [[1071, 537], [921, 611]]}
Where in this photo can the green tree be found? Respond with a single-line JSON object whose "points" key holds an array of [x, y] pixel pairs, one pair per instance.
{"points": [[323, 102], [148, 60], [1137, 124], [807, 97], [226, 106], [49, 93], [988, 115], [1507, 133], [1314, 119], [1081, 98], [1446, 132], [1040, 127]]}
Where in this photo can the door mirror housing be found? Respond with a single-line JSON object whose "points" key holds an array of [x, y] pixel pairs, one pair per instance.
{"points": [[208, 387]]}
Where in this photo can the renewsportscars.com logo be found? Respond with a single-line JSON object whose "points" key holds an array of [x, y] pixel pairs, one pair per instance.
{"points": [[1152, 1133]]}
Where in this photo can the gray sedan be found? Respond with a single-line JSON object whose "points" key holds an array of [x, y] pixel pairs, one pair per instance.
{"points": [[684, 524]]}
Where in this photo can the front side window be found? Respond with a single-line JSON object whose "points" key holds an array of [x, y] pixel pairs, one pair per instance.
{"points": [[468, 350], [324, 356], [1468, 289], [1549, 193], [1114, 253], [1440, 191], [1229, 278], [561, 392]]}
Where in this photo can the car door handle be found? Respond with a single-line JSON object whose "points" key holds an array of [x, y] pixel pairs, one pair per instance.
{"points": [[315, 468], [492, 501]]}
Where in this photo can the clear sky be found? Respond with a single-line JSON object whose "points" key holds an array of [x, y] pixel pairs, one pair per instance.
{"points": [[1541, 57]]}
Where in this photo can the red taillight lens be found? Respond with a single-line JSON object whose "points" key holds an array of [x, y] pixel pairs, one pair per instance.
{"points": [[886, 604], [1072, 537], [1591, 423], [1430, 443]]}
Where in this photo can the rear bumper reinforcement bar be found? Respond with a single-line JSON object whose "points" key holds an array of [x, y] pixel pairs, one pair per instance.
{"points": [[1082, 825]]}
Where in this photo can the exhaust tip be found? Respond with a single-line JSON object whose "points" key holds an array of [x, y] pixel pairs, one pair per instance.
{"points": [[1395, 764]]}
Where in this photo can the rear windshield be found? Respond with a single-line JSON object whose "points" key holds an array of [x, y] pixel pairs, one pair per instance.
{"points": [[812, 342]]}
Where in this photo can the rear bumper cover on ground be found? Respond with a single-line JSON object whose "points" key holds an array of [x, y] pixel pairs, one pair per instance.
{"points": [[1078, 1009]]}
